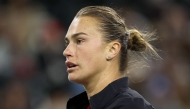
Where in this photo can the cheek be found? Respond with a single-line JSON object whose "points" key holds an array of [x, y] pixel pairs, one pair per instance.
{"points": [[92, 56], [90, 53], [94, 50], [86, 56]]}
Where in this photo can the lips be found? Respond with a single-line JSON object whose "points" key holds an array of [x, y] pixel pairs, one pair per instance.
{"points": [[70, 66]]}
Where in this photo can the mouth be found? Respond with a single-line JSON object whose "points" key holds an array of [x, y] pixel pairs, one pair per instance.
{"points": [[70, 66]]}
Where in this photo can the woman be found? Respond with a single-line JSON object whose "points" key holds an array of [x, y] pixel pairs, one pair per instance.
{"points": [[96, 54]]}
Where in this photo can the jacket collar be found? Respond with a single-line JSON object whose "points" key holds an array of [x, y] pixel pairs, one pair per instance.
{"points": [[101, 99], [78, 102]]}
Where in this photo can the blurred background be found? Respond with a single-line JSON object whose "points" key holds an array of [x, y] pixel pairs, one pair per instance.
{"points": [[32, 69]]}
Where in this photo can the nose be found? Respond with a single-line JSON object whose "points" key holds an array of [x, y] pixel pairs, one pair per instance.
{"points": [[67, 51]]}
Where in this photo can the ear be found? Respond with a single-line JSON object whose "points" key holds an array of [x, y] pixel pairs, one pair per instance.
{"points": [[113, 50]]}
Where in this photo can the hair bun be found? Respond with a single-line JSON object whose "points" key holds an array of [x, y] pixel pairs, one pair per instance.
{"points": [[136, 41]]}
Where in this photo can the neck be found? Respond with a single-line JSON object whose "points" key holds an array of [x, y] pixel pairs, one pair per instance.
{"points": [[95, 87]]}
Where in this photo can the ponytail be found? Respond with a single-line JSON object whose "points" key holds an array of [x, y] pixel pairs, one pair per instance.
{"points": [[139, 52]]}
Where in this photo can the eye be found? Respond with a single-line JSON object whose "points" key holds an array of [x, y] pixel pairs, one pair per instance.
{"points": [[66, 43], [79, 41]]}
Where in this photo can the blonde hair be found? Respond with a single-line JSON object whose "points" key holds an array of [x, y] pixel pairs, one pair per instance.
{"points": [[113, 28]]}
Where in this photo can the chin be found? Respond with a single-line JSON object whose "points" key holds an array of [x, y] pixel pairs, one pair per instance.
{"points": [[72, 78], [75, 79]]}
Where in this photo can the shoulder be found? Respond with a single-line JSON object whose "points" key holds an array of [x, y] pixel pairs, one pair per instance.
{"points": [[131, 99]]}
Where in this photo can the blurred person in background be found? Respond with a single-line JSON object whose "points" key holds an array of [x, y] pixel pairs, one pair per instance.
{"points": [[21, 23], [15, 95], [97, 54], [29, 37], [174, 28], [57, 99]]}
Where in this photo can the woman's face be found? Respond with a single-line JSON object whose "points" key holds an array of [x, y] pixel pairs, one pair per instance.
{"points": [[86, 50]]}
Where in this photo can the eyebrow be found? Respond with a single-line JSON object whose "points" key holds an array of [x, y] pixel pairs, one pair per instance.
{"points": [[75, 35]]}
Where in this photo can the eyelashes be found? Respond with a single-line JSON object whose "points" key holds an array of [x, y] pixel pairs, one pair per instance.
{"points": [[78, 41]]}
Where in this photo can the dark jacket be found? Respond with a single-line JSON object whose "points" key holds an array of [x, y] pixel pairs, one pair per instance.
{"points": [[117, 95]]}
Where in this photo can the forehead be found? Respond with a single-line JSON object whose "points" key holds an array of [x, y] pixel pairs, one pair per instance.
{"points": [[85, 24]]}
